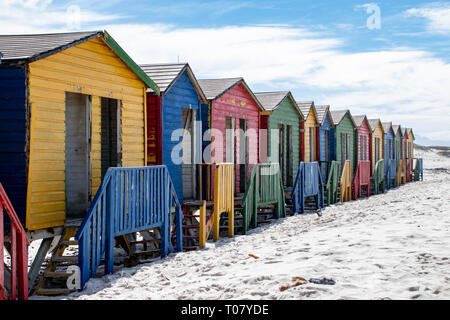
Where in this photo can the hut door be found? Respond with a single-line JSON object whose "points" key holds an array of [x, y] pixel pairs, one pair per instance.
{"points": [[289, 157], [281, 150], [312, 145], [326, 146], [78, 168], [243, 155], [189, 152], [111, 154], [343, 149]]}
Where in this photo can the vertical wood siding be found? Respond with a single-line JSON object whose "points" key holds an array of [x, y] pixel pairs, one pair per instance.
{"points": [[13, 122], [346, 126], [324, 130], [90, 68], [286, 114], [377, 134], [236, 103], [310, 122], [388, 137], [364, 132], [181, 95]]}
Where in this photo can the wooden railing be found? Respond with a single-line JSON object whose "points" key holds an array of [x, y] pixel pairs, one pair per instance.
{"points": [[362, 178], [401, 172], [409, 170], [128, 200], [223, 202], [378, 177], [346, 182], [391, 173], [333, 182], [18, 251], [308, 183], [265, 187], [418, 169]]}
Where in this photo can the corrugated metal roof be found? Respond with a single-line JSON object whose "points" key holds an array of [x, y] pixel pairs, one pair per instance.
{"points": [[32, 47], [359, 119], [338, 115], [322, 112], [395, 128], [374, 124], [163, 74], [21, 47], [305, 107], [386, 126], [213, 88], [271, 100]]}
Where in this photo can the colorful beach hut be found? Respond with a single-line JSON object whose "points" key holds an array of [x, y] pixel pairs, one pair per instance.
{"points": [[409, 152], [377, 142], [233, 117], [398, 142], [282, 117], [326, 140], [72, 111], [363, 141], [344, 132], [311, 150], [390, 162], [178, 106], [376, 150]]}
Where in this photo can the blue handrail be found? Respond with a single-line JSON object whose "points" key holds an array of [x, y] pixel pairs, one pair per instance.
{"points": [[128, 200]]}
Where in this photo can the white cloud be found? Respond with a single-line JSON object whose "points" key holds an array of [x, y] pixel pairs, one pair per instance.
{"points": [[437, 15], [403, 85], [38, 16]]}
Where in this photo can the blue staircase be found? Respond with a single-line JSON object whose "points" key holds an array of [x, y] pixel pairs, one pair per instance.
{"points": [[129, 200]]}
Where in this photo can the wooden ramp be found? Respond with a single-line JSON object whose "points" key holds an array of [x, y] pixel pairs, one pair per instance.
{"points": [[308, 183]]}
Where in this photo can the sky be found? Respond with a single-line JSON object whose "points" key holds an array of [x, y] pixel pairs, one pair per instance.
{"points": [[386, 59]]}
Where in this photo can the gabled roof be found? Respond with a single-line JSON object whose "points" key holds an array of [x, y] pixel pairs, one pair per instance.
{"points": [[305, 107], [359, 120], [396, 129], [374, 123], [387, 126], [322, 112], [272, 100], [33, 47], [215, 88], [165, 75], [338, 115], [412, 133]]}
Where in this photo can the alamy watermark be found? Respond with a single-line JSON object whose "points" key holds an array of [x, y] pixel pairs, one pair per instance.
{"points": [[374, 20]]}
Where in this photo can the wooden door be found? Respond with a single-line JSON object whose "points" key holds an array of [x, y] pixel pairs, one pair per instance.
{"points": [[78, 168]]}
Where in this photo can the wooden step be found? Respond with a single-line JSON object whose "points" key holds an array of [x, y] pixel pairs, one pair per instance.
{"points": [[56, 274], [191, 227], [69, 242], [145, 241], [53, 291], [146, 253], [68, 259]]}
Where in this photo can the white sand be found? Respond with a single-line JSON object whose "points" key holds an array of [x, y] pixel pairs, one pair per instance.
{"points": [[393, 246]]}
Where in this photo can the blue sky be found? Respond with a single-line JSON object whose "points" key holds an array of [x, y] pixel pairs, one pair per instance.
{"points": [[319, 50]]}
